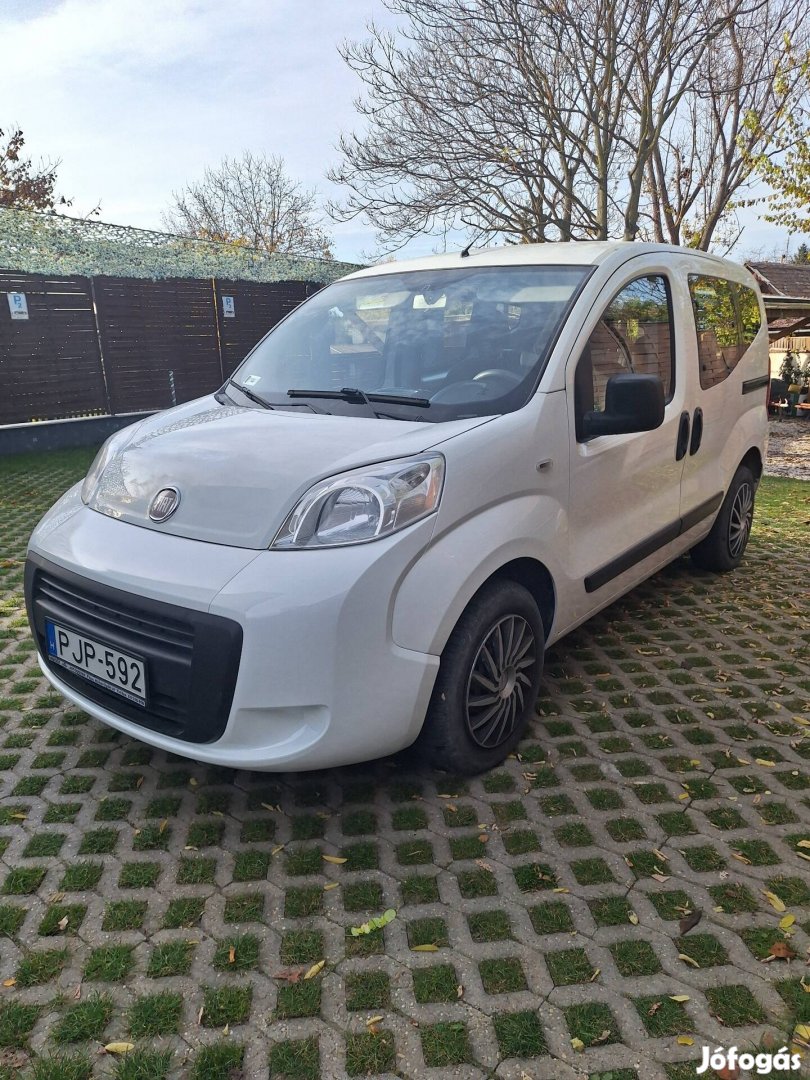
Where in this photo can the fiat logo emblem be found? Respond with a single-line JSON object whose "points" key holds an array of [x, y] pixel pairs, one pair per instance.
{"points": [[164, 504]]}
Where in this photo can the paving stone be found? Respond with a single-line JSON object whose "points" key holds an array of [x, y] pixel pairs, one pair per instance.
{"points": [[667, 772]]}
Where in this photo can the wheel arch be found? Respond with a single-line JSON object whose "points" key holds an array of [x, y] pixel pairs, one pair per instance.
{"points": [[753, 460], [535, 577]]}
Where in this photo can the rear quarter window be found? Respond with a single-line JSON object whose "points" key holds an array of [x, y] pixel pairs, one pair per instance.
{"points": [[727, 319]]}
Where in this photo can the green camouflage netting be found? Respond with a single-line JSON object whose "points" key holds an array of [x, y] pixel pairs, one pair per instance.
{"points": [[35, 243]]}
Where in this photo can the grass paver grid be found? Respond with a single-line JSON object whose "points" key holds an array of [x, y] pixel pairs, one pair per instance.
{"points": [[667, 774]]}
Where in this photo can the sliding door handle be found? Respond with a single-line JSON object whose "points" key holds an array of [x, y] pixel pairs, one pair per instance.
{"points": [[683, 437], [697, 431]]}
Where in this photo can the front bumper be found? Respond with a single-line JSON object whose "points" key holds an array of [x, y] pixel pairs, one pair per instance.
{"points": [[296, 667]]}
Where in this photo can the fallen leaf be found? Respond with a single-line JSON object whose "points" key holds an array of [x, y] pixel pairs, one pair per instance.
{"points": [[193, 782], [578, 1045], [787, 921], [764, 761], [781, 950], [424, 948], [374, 1020], [200, 1015], [633, 918], [290, 975], [773, 900], [602, 1037], [483, 838], [63, 923], [337, 860], [561, 888], [685, 1040], [376, 923], [653, 1009], [460, 991], [277, 849], [738, 855], [595, 974], [679, 997], [803, 843], [77, 993], [660, 855], [232, 954], [316, 969], [226, 1030], [119, 1047], [163, 826], [331, 885], [660, 878], [9, 982], [689, 922], [802, 1031], [688, 960]]}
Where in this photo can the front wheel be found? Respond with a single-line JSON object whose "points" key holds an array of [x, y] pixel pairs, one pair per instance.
{"points": [[488, 681], [725, 545]]}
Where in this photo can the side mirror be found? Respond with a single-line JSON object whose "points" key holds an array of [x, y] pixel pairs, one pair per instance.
{"points": [[632, 403]]}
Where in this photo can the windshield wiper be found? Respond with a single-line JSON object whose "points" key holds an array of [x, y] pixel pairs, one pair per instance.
{"points": [[249, 394], [360, 397]]}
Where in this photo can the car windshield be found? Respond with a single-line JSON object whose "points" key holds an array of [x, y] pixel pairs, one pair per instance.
{"points": [[419, 345]]}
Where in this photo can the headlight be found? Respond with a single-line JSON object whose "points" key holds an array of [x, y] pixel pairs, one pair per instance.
{"points": [[364, 505], [100, 463], [116, 442]]}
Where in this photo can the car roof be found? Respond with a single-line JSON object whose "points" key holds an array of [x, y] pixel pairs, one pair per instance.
{"points": [[572, 253]]}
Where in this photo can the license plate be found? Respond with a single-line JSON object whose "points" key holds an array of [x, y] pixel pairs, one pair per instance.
{"points": [[98, 663]]}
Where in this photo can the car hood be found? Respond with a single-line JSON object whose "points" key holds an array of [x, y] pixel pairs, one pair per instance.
{"points": [[239, 471]]}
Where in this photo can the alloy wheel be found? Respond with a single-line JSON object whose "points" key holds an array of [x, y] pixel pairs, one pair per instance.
{"points": [[500, 677]]}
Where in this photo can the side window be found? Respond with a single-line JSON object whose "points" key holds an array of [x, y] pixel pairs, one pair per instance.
{"points": [[748, 307], [633, 335], [727, 320]]}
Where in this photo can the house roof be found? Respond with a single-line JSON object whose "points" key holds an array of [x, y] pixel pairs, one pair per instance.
{"points": [[782, 278]]}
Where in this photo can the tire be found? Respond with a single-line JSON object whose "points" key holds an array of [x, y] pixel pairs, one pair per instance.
{"points": [[463, 734], [722, 550]]}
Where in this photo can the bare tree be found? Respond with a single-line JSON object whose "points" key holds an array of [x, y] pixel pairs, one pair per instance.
{"points": [[250, 201], [543, 119]]}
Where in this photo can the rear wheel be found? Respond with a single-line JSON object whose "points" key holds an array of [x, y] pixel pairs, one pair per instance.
{"points": [[725, 545], [488, 681]]}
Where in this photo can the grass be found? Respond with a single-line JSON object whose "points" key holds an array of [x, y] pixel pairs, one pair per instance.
{"points": [[183, 912], [489, 926], [41, 966], [237, 953], [519, 1035], [124, 915], [416, 889], [16, 1023], [370, 990], [302, 947], [436, 983], [299, 1000], [635, 957], [369, 1053], [62, 1066], [81, 877], [245, 907], [171, 958], [296, 1059], [734, 1006], [663, 1016], [502, 975], [226, 1005], [592, 1023], [84, 1021], [110, 963], [144, 1065], [218, 1061], [155, 1014], [139, 875], [568, 966], [445, 1044], [432, 931]]}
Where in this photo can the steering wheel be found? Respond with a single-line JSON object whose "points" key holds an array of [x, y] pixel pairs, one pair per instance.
{"points": [[510, 379]]}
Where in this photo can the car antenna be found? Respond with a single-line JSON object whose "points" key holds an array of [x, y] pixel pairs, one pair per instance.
{"points": [[465, 253]]}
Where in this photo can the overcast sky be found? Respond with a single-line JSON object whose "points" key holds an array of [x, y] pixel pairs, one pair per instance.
{"points": [[138, 96]]}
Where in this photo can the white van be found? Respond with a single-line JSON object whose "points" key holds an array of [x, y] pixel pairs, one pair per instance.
{"points": [[415, 483]]}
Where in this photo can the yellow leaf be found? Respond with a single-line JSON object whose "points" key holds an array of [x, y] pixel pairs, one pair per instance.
{"points": [[336, 859], [684, 795], [119, 1047], [578, 1045], [13, 982], [331, 885], [773, 900], [18, 817], [694, 761], [62, 924], [232, 954], [424, 948], [561, 888], [315, 970], [787, 921], [803, 843], [277, 849], [688, 960], [633, 918], [685, 1040], [226, 1030], [804, 985], [802, 1031], [595, 974], [678, 997], [764, 761], [374, 1020], [163, 826], [193, 782]]}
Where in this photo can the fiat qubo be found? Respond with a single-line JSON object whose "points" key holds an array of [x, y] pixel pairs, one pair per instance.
{"points": [[421, 478]]}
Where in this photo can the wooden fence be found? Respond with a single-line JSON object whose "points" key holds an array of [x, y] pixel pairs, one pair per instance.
{"points": [[107, 345]]}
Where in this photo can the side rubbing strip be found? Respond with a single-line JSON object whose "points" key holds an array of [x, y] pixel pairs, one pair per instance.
{"points": [[694, 517], [750, 385], [652, 544]]}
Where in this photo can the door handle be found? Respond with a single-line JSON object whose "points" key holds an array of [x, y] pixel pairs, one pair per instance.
{"points": [[683, 437], [697, 431]]}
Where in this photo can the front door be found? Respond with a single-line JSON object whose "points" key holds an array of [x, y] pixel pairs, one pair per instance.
{"points": [[624, 501]]}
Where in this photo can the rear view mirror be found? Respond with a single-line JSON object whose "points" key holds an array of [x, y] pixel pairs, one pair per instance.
{"points": [[632, 403]]}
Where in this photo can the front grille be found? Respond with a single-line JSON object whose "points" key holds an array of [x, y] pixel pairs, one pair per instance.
{"points": [[191, 657]]}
